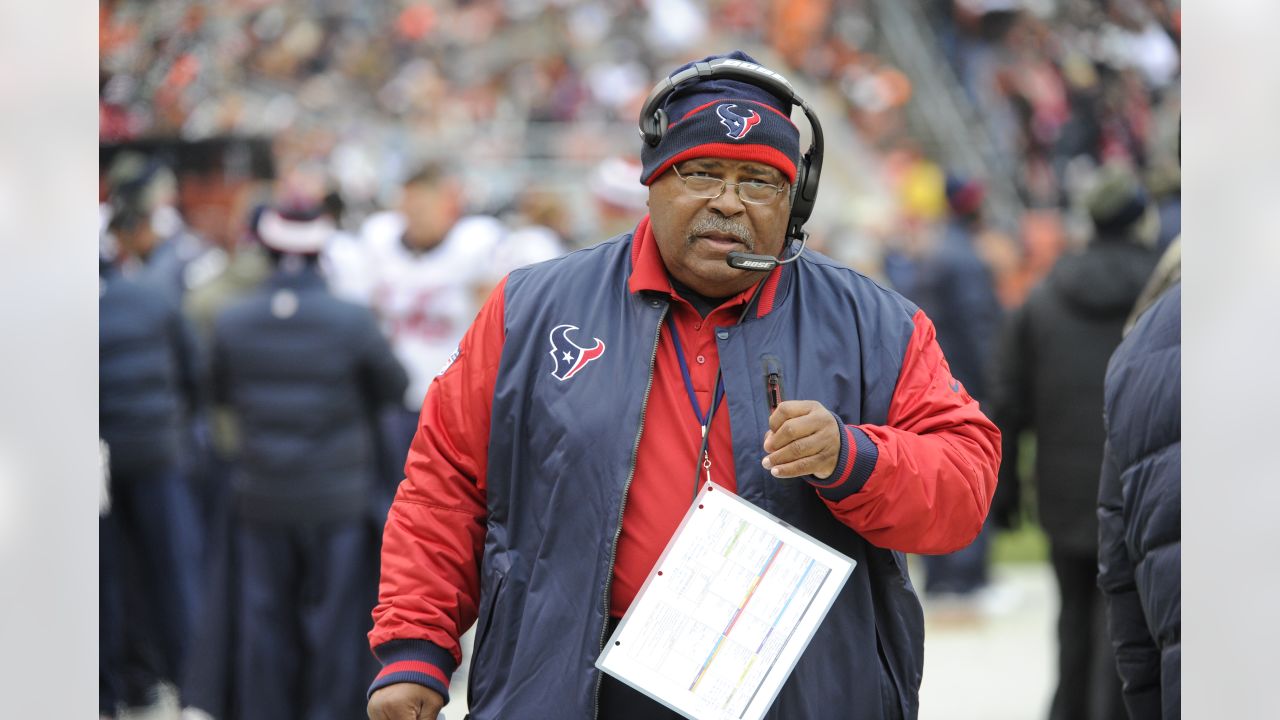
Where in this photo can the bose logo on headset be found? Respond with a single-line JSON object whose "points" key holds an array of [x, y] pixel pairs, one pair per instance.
{"points": [[804, 193], [750, 263], [729, 62]]}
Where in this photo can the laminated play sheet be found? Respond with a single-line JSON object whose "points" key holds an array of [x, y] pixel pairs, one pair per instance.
{"points": [[727, 611]]}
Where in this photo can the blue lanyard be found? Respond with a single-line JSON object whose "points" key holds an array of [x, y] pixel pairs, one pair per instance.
{"points": [[704, 420]]}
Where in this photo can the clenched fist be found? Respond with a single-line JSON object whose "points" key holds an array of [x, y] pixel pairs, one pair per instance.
{"points": [[803, 439]]}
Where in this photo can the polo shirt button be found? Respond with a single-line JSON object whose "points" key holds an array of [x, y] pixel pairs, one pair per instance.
{"points": [[697, 326], [722, 334], [701, 359]]}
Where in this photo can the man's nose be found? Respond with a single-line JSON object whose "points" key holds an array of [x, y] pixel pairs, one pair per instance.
{"points": [[728, 204]]}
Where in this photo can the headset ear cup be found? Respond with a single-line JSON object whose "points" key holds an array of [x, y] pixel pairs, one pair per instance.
{"points": [[800, 207], [655, 126]]}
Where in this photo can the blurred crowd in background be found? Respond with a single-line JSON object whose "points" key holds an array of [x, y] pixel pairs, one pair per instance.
{"points": [[402, 157]]}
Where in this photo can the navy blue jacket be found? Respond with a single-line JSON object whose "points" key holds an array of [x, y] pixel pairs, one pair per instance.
{"points": [[146, 374], [955, 289], [1140, 511], [1051, 366], [304, 373], [529, 473]]}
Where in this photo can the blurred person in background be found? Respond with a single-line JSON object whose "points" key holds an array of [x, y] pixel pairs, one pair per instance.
{"points": [[539, 231], [549, 469], [1049, 379], [1165, 182], [429, 264], [344, 262], [161, 249], [147, 389], [1140, 510], [954, 287], [1168, 273], [305, 374], [619, 198], [221, 277]]}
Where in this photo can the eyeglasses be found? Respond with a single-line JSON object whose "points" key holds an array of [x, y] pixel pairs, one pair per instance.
{"points": [[710, 188]]}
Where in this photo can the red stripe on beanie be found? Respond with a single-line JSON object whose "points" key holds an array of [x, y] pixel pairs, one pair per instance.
{"points": [[765, 154]]}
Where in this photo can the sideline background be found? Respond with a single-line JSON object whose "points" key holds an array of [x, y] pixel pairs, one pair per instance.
{"points": [[48, 380]]}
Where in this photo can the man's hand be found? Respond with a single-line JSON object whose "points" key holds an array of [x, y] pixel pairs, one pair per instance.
{"points": [[803, 439], [405, 701]]}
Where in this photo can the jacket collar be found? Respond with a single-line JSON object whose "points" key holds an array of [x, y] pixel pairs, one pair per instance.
{"points": [[306, 276], [649, 274]]}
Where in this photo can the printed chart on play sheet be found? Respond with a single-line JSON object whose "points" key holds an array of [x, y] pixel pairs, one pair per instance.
{"points": [[724, 616]]}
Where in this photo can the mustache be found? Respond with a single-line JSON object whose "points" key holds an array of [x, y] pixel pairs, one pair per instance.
{"points": [[715, 223]]}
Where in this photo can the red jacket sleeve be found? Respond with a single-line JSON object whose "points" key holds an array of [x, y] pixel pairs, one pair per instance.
{"points": [[923, 482], [434, 535]]}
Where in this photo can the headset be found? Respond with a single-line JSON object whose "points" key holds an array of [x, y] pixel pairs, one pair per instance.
{"points": [[804, 192]]}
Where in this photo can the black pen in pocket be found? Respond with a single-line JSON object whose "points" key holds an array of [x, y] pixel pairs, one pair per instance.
{"points": [[773, 383]]}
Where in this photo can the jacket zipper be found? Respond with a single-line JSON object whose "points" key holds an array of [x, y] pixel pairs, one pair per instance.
{"points": [[622, 506]]}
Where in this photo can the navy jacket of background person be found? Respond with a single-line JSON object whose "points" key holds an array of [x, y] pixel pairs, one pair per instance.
{"points": [[146, 374], [1140, 511], [305, 374], [555, 458], [1051, 365], [955, 289]]}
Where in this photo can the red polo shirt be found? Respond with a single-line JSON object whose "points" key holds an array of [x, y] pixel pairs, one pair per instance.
{"points": [[663, 486]]}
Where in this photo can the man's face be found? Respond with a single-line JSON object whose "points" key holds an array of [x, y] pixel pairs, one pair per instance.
{"points": [[430, 209], [137, 239], [695, 235]]}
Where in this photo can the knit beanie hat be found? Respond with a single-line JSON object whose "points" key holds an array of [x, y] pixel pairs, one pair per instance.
{"points": [[724, 118], [1117, 199], [965, 195], [298, 228]]}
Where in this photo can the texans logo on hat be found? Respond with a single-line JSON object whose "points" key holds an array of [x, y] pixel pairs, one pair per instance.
{"points": [[739, 125]]}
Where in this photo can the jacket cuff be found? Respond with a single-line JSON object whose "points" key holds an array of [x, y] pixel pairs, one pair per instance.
{"points": [[858, 456], [414, 661]]}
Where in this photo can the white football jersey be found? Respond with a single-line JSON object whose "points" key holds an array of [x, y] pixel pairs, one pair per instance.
{"points": [[426, 300], [524, 246]]}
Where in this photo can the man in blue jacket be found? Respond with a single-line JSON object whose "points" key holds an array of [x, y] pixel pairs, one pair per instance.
{"points": [[305, 375], [147, 390], [955, 287], [1049, 379], [562, 444], [1140, 511]]}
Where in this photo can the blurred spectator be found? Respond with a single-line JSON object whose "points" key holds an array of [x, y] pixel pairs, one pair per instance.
{"points": [[150, 237], [1055, 83], [1139, 511], [305, 374], [1168, 273], [620, 199], [220, 278], [428, 266], [1165, 181], [222, 275], [1050, 380], [538, 232], [150, 541], [344, 261], [955, 289]]}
